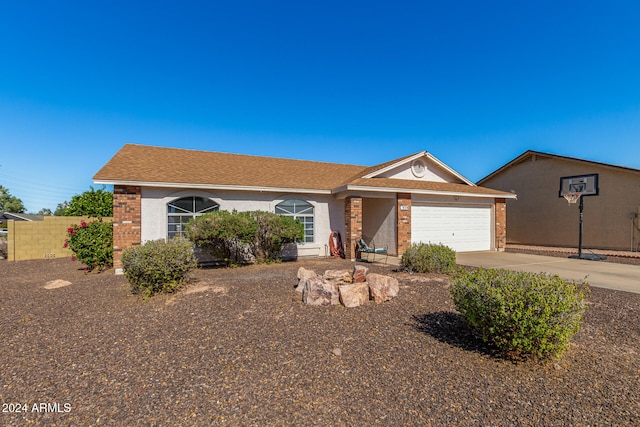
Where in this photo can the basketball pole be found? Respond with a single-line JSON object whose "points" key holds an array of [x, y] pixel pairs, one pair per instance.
{"points": [[590, 257], [580, 236]]}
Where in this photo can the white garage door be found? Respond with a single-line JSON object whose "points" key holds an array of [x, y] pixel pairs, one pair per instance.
{"points": [[462, 228]]}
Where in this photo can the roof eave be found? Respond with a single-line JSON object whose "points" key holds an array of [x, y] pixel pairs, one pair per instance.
{"points": [[448, 169], [214, 187], [422, 191]]}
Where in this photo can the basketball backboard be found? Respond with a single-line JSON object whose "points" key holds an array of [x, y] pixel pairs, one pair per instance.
{"points": [[587, 185]]}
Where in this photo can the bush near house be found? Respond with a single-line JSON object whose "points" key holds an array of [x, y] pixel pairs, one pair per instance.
{"points": [[272, 232], [91, 244], [158, 266], [242, 236], [429, 258], [522, 314], [222, 234], [3, 248]]}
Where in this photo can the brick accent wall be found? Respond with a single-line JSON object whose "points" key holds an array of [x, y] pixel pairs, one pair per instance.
{"points": [[403, 201], [127, 219], [501, 224], [352, 225]]}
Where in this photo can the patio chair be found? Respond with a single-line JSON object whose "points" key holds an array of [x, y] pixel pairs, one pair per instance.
{"points": [[363, 248]]}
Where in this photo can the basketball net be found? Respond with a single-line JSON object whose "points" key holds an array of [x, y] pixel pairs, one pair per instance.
{"points": [[572, 197]]}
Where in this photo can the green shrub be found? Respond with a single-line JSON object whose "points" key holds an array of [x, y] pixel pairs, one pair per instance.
{"points": [[222, 234], [91, 244], [242, 236], [158, 266], [521, 313], [272, 232], [429, 258]]}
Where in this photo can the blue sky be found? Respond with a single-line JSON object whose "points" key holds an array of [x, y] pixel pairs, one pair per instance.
{"points": [[363, 82]]}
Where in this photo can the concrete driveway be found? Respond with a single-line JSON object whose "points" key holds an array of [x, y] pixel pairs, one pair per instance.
{"points": [[609, 275]]}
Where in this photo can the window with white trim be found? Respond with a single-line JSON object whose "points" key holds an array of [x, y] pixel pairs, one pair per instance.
{"points": [[181, 211], [303, 212]]}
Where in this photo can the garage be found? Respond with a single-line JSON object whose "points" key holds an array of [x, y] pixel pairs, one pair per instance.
{"points": [[462, 228]]}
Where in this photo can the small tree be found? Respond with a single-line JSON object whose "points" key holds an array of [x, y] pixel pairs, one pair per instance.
{"points": [[61, 209], [94, 203]]}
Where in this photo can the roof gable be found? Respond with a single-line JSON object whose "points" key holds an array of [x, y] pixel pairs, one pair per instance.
{"points": [[529, 154], [422, 166]]}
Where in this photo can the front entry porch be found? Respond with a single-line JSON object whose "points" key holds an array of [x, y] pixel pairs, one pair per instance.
{"points": [[383, 221]]}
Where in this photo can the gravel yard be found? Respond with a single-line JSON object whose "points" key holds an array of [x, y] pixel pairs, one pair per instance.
{"points": [[238, 347]]}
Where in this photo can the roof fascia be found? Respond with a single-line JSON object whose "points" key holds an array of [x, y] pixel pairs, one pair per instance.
{"points": [[508, 165], [20, 216], [362, 188], [449, 169], [214, 187], [529, 153]]}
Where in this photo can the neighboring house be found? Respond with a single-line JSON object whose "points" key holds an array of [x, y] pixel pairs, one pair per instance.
{"points": [[542, 217], [411, 199], [6, 216]]}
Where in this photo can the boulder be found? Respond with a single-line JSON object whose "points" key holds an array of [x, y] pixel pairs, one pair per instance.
{"points": [[320, 292], [360, 274], [303, 275], [354, 295], [382, 288], [343, 276]]}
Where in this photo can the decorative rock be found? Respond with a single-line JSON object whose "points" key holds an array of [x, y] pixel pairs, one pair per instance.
{"points": [[337, 352], [360, 274], [382, 288], [320, 292], [303, 275], [55, 284], [343, 276], [354, 295]]}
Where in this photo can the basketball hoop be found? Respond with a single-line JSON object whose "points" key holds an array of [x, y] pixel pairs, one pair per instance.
{"points": [[572, 197]]}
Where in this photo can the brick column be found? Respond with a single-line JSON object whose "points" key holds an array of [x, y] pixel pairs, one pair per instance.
{"points": [[352, 225], [403, 215], [501, 224], [126, 221]]}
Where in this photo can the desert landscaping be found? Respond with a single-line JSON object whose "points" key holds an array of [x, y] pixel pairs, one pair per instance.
{"points": [[238, 346]]}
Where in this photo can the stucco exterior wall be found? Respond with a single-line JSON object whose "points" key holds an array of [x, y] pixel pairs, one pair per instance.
{"points": [[540, 217], [154, 211]]}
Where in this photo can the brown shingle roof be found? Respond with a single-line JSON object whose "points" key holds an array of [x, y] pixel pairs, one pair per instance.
{"points": [[138, 163], [159, 165]]}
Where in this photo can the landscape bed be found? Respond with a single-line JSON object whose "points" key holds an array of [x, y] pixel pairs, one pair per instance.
{"points": [[238, 347]]}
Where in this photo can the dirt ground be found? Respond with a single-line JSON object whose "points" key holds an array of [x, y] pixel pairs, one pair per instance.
{"points": [[238, 347]]}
